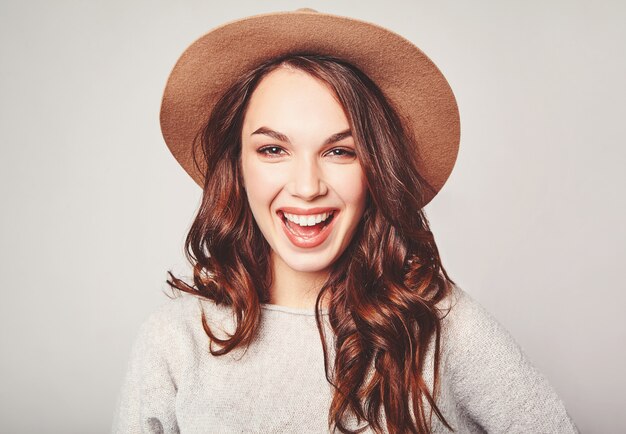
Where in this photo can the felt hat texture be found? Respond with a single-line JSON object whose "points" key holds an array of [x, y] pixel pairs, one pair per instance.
{"points": [[408, 78]]}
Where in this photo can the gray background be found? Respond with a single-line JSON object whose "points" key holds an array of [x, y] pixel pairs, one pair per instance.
{"points": [[95, 209]]}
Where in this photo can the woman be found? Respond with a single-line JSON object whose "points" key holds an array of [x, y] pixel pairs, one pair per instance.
{"points": [[319, 302]]}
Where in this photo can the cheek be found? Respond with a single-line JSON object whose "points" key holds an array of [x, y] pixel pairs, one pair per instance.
{"points": [[261, 186], [352, 187]]}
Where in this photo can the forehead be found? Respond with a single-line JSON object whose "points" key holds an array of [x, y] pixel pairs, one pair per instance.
{"points": [[285, 79], [292, 96]]}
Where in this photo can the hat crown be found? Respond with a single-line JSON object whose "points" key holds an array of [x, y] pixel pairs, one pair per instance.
{"points": [[307, 10]]}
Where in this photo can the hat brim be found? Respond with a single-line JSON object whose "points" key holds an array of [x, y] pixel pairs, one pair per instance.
{"points": [[409, 79]]}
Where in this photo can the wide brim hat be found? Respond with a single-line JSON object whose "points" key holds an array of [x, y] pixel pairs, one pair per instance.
{"points": [[409, 79]]}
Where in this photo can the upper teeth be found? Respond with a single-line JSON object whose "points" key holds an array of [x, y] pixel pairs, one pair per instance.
{"points": [[307, 220]]}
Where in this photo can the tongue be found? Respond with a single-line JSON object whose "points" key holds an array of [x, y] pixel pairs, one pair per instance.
{"points": [[305, 231]]}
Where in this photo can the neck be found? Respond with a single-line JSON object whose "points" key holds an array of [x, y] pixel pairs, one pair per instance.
{"points": [[294, 288]]}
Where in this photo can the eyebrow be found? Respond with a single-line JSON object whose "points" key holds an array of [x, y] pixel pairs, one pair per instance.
{"points": [[283, 137]]}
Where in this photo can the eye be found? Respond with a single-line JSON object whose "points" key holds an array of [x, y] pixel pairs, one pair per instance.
{"points": [[270, 151], [342, 152]]}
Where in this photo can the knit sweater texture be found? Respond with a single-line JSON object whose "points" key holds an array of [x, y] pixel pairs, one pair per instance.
{"points": [[278, 385]]}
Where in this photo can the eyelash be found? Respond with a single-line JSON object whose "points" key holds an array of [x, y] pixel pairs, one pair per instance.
{"points": [[348, 152]]}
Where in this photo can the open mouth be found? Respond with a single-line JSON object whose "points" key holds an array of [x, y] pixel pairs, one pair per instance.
{"points": [[306, 232]]}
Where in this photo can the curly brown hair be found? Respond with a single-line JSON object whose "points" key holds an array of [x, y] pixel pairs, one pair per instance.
{"points": [[383, 289]]}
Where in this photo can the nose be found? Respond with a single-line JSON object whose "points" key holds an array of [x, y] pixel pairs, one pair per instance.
{"points": [[307, 180]]}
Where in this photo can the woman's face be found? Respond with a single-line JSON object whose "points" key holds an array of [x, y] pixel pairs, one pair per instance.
{"points": [[305, 186]]}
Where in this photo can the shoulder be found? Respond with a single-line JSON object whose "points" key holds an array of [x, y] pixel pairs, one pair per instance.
{"points": [[476, 346], [463, 307], [468, 324], [169, 316], [492, 380], [174, 329], [182, 311]]}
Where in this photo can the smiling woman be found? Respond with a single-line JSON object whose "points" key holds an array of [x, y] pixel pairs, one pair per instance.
{"points": [[319, 301], [311, 176]]}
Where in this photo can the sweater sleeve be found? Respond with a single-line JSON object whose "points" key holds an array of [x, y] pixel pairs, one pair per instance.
{"points": [[494, 384], [146, 402]]}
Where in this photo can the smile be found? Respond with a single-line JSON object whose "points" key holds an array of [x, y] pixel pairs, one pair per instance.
{"points": [[308, 220], [307, 231]]}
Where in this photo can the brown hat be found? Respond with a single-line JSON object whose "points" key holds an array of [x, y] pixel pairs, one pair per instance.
{"points": [[409, 79]]}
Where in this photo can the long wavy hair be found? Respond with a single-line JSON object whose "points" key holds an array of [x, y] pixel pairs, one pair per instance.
{"points": [[383, 289]]}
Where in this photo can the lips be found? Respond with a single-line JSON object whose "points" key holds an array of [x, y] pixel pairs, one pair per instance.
{"points": [[311, 236], [302, 211]]}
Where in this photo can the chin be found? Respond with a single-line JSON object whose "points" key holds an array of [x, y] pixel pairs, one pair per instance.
{"points": [[308, 265], [310, 268]]}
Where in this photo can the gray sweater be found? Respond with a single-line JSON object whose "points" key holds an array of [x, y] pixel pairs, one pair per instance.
{"points": [[278, 385]]}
